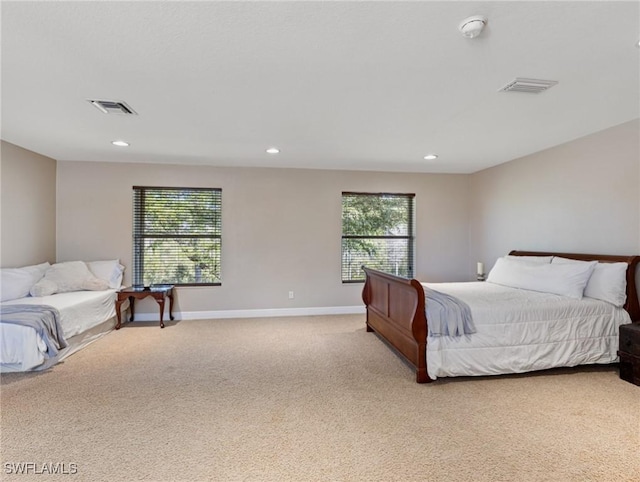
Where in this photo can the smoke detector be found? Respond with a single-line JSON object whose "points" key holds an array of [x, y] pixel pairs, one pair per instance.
{"points": [[472, 26]]}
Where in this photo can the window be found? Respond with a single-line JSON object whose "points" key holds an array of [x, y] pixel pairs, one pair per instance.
{"points": [[377, 231], [176, 235]]}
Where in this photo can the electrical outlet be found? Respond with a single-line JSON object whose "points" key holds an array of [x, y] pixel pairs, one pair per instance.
{"points": [[290, 295]]}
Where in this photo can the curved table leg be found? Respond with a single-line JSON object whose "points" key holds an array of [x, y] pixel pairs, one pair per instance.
{"points": [[118, 313], [170, 294], [131, 300], [161, 304]]}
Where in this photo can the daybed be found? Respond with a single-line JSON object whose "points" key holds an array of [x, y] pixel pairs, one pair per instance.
{"points": [[515, 330], [76, 307]]}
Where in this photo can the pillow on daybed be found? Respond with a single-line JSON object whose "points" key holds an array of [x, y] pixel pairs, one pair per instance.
{"points": [[68, 276], [110, 271], [608, 281], [560, 279], [17, 282]]}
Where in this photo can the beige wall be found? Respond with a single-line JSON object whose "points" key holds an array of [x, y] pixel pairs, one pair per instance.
{"points": [[583, 196], [281, 228], [28, 207]]}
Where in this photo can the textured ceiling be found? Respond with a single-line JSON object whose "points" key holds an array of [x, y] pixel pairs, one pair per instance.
{"points": [[335, 85]]}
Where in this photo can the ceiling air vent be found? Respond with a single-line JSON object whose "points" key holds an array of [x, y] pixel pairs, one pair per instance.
{"points": [[530, 86], [113, 107]]}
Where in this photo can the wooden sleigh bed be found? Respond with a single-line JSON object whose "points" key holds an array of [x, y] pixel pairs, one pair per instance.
{"points": [[395, 307]]}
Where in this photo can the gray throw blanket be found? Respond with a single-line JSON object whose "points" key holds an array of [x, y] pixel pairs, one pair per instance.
{"points": [[447, 315], [45, 320]]}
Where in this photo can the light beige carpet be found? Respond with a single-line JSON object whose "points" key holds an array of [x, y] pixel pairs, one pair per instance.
{"points": [[307, 399]]}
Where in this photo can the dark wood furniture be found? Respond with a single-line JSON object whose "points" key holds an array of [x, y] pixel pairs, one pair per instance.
{"points": [[629, 353], [396, 307], [158, 292]]}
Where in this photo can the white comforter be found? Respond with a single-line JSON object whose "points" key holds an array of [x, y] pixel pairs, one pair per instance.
{"points": [[22, 349], [520, 331]]}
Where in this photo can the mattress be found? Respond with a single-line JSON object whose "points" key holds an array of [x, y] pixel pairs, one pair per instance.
{"points": [[519, 331], [22, 349]]}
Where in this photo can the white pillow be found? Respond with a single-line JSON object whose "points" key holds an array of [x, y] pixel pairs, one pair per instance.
{"points": [[561, 279], [531, 259], [608, 281], [68, 276], [43, 288], [110, 271], [17, 282]]}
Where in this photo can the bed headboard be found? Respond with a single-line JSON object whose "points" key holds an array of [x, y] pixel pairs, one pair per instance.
{"points": [[633, 304]]}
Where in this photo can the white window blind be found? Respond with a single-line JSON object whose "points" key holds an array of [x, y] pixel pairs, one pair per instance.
{"points": [[377, 232], [177, 235]]}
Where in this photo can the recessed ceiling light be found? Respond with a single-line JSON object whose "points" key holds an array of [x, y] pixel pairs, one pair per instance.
{"points": [[430, 157], [273, 150], [120, 143]]}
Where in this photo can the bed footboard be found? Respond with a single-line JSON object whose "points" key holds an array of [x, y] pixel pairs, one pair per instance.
{"points": [[396, 312]]}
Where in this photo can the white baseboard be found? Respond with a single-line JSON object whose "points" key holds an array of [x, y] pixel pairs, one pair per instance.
{"points": [[266, 313]]}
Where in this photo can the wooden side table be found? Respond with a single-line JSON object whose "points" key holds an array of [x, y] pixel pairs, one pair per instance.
{"points": [[158, 292]]}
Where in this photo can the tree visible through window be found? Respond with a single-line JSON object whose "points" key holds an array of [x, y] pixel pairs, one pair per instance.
{"points": [[377, 231], [177, 235]]}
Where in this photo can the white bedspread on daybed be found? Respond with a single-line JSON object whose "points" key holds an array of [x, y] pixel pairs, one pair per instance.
{"points": [[80, 312], [521, 330]]}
